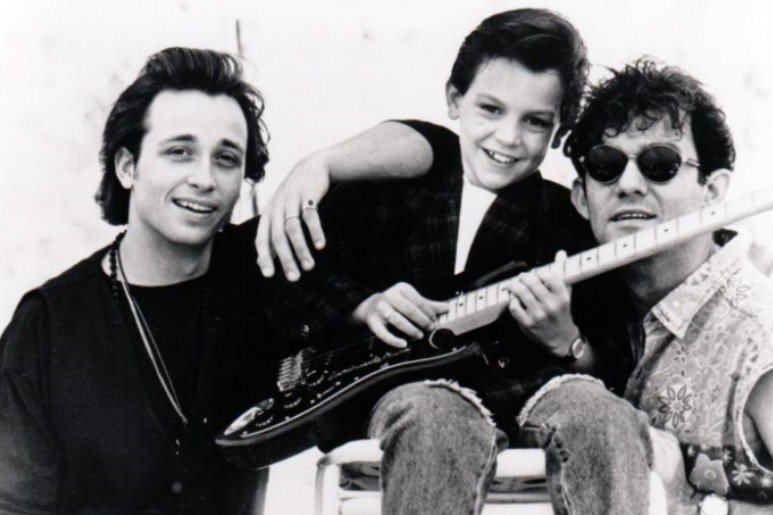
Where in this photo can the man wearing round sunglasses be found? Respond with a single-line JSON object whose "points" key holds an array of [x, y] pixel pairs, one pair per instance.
{"points": [[652, 145]]}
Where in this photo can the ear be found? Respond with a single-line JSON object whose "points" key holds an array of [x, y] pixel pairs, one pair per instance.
{"points": [[124, 167], [716, 186], [453, 98], [580, 198]]}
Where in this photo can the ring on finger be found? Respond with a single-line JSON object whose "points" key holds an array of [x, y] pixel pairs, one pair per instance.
{"points": [[309, 205], [389, 316], [290, 217]]}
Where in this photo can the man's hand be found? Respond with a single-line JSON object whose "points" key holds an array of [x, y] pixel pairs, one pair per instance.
{"points": [[280, 231], [541, 304], [402, 308]]}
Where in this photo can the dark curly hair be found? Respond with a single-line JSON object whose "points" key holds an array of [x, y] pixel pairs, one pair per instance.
{"points": [[178, 69], [540, 40], [645, 92]]}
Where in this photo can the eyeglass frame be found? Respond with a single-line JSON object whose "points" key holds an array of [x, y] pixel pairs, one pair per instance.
{"points": [[689, 161]]}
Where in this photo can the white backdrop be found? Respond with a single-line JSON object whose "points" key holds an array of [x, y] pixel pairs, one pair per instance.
{"points": [[328, 69]]}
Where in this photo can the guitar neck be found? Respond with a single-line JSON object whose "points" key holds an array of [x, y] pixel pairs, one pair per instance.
{"points": [[483, 306]]}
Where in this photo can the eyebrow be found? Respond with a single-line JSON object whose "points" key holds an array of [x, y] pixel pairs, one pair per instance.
{"points": [[553, 113], [231, 144], [190, 138]]}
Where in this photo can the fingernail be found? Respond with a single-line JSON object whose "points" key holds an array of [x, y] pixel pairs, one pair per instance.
{"points": [[307, 264], [319, 244], [293, 276], [267, 272]]}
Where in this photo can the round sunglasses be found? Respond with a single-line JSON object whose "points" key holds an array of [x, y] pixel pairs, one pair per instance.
{"points": [[658, 163]]}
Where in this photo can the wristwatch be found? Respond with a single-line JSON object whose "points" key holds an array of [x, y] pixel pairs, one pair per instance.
{"points": [[576, 350]]}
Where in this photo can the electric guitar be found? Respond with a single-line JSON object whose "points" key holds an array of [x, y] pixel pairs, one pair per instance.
{"points": [[319, 379]]}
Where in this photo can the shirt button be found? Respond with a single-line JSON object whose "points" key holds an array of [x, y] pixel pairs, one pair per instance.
{"points": [[177, 487], [304, 331]]}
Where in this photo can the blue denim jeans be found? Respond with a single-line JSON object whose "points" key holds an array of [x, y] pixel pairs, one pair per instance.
{"points": [[440, 448], [597, 447]]}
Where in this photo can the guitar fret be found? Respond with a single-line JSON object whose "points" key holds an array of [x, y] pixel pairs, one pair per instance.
{"points": [[625, 247], [589, 260], [666, 232], [470, 304], [606, 254], [689, 223], [572, 267], [491, 295], [645, 239], [503, 295], [481, 304]]}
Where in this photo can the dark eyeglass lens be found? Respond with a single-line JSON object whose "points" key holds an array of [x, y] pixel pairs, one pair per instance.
{"points": [[659, 163], [605, 164]]}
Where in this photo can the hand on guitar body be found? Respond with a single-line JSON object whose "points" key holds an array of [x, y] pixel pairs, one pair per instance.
{"points": [[541, 304], [400, 308]]}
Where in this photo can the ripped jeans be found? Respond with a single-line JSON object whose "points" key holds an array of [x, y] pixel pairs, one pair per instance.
{"points": [[597, 447], [440, 448]]}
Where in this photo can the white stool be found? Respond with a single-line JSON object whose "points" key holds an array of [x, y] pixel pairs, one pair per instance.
{"points": [[518, 486]]}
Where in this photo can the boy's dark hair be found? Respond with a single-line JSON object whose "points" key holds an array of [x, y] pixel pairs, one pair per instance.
{"points": [[538, 39], [644, 92], [177, 69]]}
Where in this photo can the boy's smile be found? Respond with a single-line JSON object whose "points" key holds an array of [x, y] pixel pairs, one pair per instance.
{"points": [[507, 120]]}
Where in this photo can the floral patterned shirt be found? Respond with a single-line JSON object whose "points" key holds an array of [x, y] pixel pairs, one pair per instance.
{"points": [[705, 345]]}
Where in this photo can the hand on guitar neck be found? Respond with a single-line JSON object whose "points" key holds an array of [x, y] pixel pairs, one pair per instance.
{"points": [[399, 308], [541, 304]]}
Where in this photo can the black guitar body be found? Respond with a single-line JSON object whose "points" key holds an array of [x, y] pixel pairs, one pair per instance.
{"points": [[319, 388]]}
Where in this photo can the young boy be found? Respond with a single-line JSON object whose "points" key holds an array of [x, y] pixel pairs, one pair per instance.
{"points": [[396, 246]]}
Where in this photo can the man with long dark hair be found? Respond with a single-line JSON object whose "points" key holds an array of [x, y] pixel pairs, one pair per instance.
{"points": [[116, 375]]}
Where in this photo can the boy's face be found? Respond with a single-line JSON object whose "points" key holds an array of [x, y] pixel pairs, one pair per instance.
{"points": [[189, 173], [507, 120], [633, 202]]}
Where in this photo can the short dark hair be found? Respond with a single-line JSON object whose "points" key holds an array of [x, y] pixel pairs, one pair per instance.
{"points": [[177, 69], [645, 92], [538, 39]]}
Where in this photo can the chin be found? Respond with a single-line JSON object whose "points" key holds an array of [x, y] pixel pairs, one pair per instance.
{"points": [[193, 238]]}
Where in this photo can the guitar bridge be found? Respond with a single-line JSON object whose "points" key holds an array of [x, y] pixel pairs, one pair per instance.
{"points": [[290, 372]]}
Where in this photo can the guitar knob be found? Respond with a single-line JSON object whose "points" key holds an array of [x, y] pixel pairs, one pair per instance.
{"points": [[315, 378], [258, 415], [290, 399]]}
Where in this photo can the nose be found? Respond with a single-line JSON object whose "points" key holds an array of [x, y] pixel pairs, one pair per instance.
{"points": [[202, 176], [508, 133], [632, 182]]}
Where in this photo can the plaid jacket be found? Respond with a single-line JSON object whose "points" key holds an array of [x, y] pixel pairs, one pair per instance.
{"points": [[381, 233]]}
